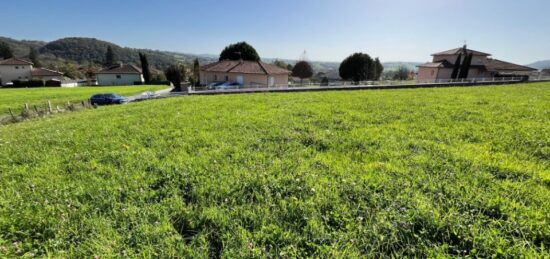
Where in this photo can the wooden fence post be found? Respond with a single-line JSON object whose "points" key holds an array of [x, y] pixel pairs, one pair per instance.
{"points": [[11, 113], [49, 106]]}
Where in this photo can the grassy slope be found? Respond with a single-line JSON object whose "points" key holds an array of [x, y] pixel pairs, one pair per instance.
{"points": [[16, 98], [456, 171]]}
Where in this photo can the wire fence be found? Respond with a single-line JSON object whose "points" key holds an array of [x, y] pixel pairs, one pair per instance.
{"points": [[28, 112], [381, 83]]}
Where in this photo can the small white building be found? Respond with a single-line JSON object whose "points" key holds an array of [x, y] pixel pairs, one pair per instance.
{"points": [[15, 69], [119, 75]]}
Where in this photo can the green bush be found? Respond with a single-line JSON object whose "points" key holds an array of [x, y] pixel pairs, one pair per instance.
{"points": [[20, 83], [36, 83], [52, 83]]}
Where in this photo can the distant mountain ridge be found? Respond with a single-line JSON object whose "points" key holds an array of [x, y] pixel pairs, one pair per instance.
{"points": [[82, 51], [543, 64]]}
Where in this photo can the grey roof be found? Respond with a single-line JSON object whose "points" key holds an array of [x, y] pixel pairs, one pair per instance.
{"points": [[459, 50], [121, 69]]}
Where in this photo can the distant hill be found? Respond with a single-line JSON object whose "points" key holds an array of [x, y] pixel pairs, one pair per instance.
{"points": [[82, 51], [544, 64], [21, 47]]}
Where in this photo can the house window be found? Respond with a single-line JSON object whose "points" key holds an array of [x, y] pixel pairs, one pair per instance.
{"points": [[433, 72], [215, 77], [22, 67], [118, 76], [226, 78], [16, 67]]}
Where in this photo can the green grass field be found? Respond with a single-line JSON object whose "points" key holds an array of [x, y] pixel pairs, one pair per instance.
{"points": [[16, 98], [420, 172]]}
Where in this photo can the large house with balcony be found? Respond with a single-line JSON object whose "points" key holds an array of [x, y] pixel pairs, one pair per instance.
{"points": [[245, 73], [482, 66]]}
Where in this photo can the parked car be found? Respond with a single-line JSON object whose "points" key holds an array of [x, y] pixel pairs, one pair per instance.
{"points": [[147, 95], [227, 86], [105, 99], [214, 85]]}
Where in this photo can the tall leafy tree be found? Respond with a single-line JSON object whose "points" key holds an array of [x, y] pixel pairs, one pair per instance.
{"points": [[5, 50], [175, 74], [110, 58], [402, 73], [33, 56], [357, 67], [280, 64], [456, 67], [145, 68], [238, 51], [302, 70]]}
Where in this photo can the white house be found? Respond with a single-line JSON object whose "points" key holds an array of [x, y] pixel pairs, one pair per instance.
{"points": [[14, 69], [119, 75]]}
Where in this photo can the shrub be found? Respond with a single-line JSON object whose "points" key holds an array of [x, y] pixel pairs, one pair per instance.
{"points": [[53, 83], [20, 83], [35, 83]]}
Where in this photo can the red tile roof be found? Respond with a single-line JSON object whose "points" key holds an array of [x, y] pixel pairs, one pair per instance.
{"points": [[459, 50], [121, 69], [244, 67], [45, 72], [15, 61]]}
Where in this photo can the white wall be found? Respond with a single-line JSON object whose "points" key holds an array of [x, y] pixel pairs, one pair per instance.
{"points": [[125, 79], [9, 73]]}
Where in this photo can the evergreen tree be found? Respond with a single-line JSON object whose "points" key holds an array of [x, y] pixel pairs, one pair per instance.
{"points": [[239, 51], [456, 67], [196, 72], [175, 74], [5, 50], [33, 56], [110, 58], [145, 68], [302, 70]]}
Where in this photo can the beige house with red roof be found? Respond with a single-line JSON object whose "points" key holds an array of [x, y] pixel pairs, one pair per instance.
{"points": [[120, 75], [247, 73], [482, 66]]}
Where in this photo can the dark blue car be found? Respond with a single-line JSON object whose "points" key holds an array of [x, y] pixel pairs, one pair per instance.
{"points": [[105, 99]]}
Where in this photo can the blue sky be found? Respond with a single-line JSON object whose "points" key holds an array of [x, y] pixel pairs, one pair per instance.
{"points": [[329, 30]]}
